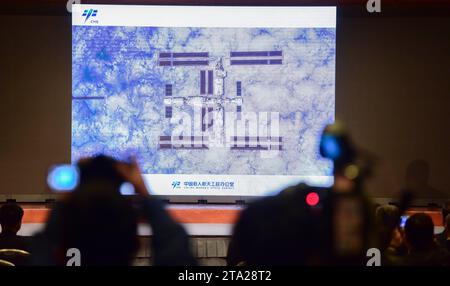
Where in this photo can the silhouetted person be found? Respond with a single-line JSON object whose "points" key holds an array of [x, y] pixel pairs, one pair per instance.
{"points": [[279, 230], [96, 219], [390, 240], [417, 181], [422, 248], [387, 219], [11, 215], [444, 237]]}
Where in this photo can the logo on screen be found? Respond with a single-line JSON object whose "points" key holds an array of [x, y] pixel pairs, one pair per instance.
{"points": [[88, 13], [176, 184]]}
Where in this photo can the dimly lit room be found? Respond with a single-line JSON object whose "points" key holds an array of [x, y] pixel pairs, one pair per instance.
{"points": [[238, 135]]}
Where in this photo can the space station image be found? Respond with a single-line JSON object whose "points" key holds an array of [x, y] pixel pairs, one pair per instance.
{"points": [[216, 127], [247, 101]]}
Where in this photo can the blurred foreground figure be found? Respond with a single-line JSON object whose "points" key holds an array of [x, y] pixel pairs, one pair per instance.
{"points": [[280, 230], [102, 223], [291, 229]]}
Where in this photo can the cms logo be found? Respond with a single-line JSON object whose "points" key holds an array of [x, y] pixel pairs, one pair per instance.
{"points": [[176, 184], [88, 13]]}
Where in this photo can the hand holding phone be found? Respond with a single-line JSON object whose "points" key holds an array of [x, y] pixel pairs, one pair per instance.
{"points": [[63, 178], [66, 177], [403, 220], [132, 174]]}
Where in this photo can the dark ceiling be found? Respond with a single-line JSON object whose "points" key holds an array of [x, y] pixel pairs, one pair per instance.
{"points": [[351, 7]]}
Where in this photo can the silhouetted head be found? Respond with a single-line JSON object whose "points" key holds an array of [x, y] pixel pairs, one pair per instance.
{"points": [[419, 232], [281, 230], [387, 216], [417, 173], [387, 219], [97, 219], [11, 217]]}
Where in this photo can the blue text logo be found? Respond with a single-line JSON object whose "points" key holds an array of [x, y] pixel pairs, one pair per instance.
{"points": [[176, 184], [89, 13]]}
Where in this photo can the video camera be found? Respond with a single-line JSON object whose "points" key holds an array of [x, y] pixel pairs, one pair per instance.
{"points": [[348, 210]]}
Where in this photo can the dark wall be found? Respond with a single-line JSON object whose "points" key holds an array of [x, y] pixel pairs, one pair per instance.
{"points": [[35, 105], [392, 90]]}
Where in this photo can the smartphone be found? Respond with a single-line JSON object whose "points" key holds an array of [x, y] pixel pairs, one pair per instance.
{"points": [[403, 220], [66, 177], [63, 178]]}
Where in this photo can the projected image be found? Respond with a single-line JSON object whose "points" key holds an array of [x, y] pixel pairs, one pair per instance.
{"points": [[204, 100], [246, 104]]}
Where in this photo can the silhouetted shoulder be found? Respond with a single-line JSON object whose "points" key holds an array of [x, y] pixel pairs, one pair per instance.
{"points": [[277, 230]]}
